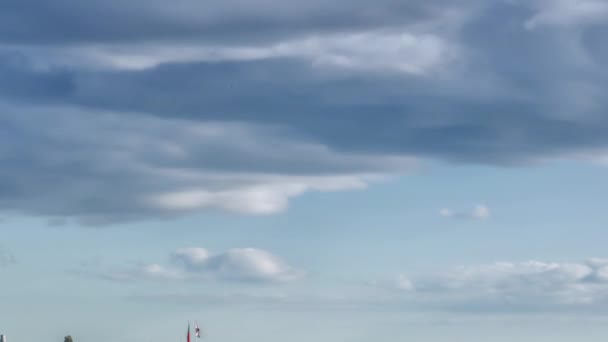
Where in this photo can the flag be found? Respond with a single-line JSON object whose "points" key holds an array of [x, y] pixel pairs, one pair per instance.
{"points": [[197, 331], [188, 335]]}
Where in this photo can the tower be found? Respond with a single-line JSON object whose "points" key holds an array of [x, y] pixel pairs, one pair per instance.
{"points": [[2, 338]]}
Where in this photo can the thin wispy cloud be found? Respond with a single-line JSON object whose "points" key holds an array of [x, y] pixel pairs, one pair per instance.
{"points": [[479, 212], [516, 287]]}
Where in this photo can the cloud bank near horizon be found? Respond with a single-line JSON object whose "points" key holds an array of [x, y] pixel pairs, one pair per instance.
{"points": [[503, 288], [516, 287]]}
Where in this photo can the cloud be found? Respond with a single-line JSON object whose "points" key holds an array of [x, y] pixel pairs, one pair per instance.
{"points": [[523, 286], [143, 272], [6, 257], [259, 199], [513, 288], [479, 212], [404, 283], [248, 264], [170, 112], [103, 167], [390, 51], [237, 265], [567, 12], [140, 20], [481, 109]]}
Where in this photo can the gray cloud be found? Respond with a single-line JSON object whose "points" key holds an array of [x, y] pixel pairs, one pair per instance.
{"points": [[354, 112], [34, 23], [104, 167], [292, 97], [495, 104]]}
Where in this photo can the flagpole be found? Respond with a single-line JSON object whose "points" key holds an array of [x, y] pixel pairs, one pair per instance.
{"points": [[188, 333]]}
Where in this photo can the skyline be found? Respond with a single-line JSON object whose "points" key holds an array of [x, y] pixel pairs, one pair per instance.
{"points": [[304, 171]]}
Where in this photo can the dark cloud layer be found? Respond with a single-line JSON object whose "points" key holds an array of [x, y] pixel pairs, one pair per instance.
{"points": [[104, 167], [93, 21], [350, 88], [373, 113]]}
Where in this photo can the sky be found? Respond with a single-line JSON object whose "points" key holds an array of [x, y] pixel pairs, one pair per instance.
{"points": [[304, 170]]}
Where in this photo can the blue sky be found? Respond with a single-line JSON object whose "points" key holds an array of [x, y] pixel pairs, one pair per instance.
{"points": [[304, 171]]}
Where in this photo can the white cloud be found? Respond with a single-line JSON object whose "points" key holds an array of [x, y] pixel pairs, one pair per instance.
{"points": [[192, 257], [251, 264], [523, 285], [479, 212], [514, 287], [404, 283], [159, 271], [445, 212], [396, 51], [509, 276], [259, 199], [238, 264], [597, 157], [393, 51], [141, 272]]}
